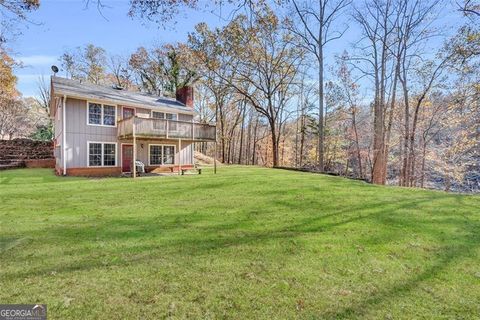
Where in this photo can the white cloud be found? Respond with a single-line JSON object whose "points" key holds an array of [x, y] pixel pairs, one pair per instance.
{"points": [[28, 83], [38, 60], [28, 77]]}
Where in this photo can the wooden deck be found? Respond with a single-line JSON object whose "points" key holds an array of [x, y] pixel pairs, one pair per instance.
{"points": [[150, 128]]}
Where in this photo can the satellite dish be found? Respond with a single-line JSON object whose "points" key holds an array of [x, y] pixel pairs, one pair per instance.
{"points": [[55, 69]]}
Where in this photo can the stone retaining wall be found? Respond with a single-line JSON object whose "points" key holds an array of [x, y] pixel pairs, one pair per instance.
{"points": [[25, 152]]}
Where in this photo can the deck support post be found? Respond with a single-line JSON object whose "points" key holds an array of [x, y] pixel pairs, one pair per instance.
{"points": [[134, 172], [179, 156], [64, 135], [215, 159]]}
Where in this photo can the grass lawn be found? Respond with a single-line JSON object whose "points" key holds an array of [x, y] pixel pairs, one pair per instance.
{"points": [[248, 243]]}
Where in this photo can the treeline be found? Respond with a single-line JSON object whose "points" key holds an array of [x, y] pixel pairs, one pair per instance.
{"points": [[21, 117]]}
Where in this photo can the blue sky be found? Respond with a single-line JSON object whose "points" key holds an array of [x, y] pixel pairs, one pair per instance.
{"points": [[66, 24]]}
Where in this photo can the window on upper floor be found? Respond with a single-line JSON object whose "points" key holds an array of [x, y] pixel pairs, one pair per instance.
{"points": [[167, 116], [163, 115], [102, 114]]}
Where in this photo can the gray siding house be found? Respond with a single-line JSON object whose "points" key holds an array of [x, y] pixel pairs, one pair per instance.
{"points": [[100, 130]]}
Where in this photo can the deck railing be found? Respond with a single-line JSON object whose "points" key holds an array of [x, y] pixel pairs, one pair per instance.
{"points": [[167, 129]]}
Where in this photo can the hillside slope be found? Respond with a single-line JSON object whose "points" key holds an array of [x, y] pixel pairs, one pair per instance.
{"points": [[246, 243]]}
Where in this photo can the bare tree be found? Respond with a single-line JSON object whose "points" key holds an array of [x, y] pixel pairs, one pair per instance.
{"points": [[43, 97], [12, 13], [262, 64], [120, 71], [85, 63], [470, 8], [314, 32], [350, 95], [412, 30], [374, 19]]}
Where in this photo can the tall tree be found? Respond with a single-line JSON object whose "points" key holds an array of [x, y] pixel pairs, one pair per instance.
{"points": [[86, 63], [163, 69], [8, 80], [351, 98], [374, 19], [120, 72], [262, 64], [313, 29], [413, 29]]}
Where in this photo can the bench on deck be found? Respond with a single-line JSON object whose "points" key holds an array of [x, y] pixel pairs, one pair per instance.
{"points": [[199, 170]]}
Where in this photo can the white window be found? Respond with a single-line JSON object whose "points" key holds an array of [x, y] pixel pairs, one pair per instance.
{"points": [[155, 155], [102, 154], [161, 154], [109, 115], [160, 125], [168, 154], [158, 115], [171, 116], [163, 115], [94, 113], [101, 114], [109, 154]]}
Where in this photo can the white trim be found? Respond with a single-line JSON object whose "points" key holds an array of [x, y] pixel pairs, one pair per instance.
{"points": [[162, 145], [102, 143], [121, 154], [161, 157], [64, 135], [101, 115], [119, 102], [134, 111]]}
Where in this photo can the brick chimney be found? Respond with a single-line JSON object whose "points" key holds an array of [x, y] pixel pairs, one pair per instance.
{"points": [[185, 96]]}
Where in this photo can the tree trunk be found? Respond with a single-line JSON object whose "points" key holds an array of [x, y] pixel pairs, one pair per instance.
{"points": [[222, 131], [390, 119], [254, 152], [357, 144], [404, 173], [378, 144], [422, 179], [321, 137], [241, 136], [273, 134]]}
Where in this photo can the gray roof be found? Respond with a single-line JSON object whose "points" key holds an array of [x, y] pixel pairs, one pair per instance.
{"points": [[77, 89]]}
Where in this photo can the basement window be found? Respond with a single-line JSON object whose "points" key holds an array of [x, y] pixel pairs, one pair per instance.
{"points": [[102, 154], [161, 154]]}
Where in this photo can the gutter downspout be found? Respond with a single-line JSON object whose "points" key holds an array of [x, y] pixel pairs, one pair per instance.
{"points": [[64, 135]]}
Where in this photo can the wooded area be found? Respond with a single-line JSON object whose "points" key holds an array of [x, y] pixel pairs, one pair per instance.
{"points": [[401, 106]]}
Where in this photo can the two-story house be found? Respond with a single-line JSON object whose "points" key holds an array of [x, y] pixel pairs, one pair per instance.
{"points": [[100, 130]]}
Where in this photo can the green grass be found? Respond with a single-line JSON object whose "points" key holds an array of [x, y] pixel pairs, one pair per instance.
{"points": [[247, 243]]}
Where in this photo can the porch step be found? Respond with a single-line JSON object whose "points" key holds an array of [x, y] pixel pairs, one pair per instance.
{"points": [[163, 170]]}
